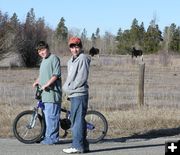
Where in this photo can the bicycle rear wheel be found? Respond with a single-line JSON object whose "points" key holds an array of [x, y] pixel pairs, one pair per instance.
{"points": [[24, 131], [97, 126]]}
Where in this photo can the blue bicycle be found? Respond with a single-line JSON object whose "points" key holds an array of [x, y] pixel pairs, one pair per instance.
{"points": [[29, 126]]}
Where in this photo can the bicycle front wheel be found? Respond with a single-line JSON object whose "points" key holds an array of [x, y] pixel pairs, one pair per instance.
{"points": [[97, 126], [23, 129]]}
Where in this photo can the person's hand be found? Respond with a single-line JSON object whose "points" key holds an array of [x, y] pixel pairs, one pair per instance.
{"points": [[35, 84], [45, 87]]}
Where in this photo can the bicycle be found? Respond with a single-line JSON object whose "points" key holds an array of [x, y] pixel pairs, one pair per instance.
{"points": [[29, 125]]}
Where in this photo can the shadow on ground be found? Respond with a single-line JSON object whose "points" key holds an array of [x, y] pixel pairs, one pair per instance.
{"points": [[126, 147], [148, 135], [145, 136]]}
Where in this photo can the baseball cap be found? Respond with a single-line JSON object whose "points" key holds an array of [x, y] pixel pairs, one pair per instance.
{"points": [[75, 41], [42, 45]]}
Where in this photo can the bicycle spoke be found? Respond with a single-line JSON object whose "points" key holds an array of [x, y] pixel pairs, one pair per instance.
{"points": [[26, 128], [25, 133]]}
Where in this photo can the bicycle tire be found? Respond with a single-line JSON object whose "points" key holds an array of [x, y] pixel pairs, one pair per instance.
{"points": [[100, 124], [23, 133]]}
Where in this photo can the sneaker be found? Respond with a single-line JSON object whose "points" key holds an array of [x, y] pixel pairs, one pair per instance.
{"points": [[72, 150]]}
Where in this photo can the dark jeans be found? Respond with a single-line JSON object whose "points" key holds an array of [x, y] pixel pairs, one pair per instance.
{"points": [[79, 107]]}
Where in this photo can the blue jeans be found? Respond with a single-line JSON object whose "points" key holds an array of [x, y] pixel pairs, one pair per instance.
{"points": [[52, 115], [79, 106]]}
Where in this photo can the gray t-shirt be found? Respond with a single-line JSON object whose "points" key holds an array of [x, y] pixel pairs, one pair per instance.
{"points": [[51, 66]]}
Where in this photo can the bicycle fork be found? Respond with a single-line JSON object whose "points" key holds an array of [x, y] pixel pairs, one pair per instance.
{"points": [[33, 119]]}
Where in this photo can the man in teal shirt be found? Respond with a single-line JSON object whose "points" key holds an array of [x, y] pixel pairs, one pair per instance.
{"points": [[50, 81]]}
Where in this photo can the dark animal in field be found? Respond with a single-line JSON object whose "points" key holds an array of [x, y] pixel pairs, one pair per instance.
{"points": [[93, 51], [136, 53]]}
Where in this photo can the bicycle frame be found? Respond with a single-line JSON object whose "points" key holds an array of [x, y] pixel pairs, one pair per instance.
{"points": [[34, 121], [35, 115], [41, 105], [89, 126], [36, 109]]}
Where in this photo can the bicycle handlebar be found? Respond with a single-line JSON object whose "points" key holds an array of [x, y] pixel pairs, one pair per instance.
{"points": [[38, 92]]}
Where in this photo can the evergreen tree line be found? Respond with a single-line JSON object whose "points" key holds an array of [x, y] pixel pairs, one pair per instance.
{"points": [[21, 38], [150, 41]]}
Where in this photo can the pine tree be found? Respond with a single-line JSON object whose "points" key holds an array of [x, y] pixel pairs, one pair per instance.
{"points": [[153, 37], [175, 38], [62, 31], [33, 32], [84, 40], [93, 39], [137, 34]]}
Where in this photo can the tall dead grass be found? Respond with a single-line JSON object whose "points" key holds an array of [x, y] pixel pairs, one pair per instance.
{"points": [[113, 91], [140, 121], [8, 112]]}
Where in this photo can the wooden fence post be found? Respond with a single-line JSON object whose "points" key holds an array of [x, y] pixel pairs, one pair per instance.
{"points": [[141, 84]]}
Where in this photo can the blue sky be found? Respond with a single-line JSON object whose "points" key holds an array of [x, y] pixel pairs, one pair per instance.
{"points": [[108, 15]]}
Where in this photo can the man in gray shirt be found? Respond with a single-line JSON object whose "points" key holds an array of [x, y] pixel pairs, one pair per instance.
{"points": [[76, 87]]}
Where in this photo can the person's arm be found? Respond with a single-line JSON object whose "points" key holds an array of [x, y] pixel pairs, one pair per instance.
{"points": [[82, 75], [49, 82], [36, 82]]}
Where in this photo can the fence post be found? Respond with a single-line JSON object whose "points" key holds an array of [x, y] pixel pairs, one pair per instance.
{"points": [[141, 84]]}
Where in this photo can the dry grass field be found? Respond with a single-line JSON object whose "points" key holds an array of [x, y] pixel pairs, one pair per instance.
{"points": [[113, 85]]}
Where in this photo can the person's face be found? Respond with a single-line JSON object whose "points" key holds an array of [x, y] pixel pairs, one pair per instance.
{"points": [[43, 53], [75, 50]]}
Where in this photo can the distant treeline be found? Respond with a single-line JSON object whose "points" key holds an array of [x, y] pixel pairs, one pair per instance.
{"points": [[21, 38]]}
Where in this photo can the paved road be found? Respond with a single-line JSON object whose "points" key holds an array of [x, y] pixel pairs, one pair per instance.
{"points": [[119, 146]]}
